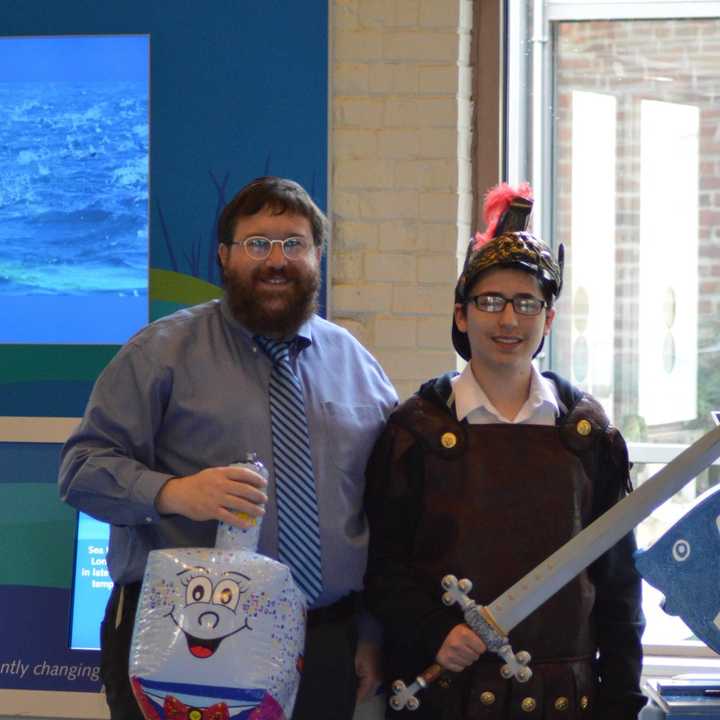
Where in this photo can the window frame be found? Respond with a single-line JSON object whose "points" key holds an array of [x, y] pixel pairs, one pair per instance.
{"points": [[531, 120]]}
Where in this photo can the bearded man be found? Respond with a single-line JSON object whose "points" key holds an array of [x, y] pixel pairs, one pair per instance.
{"points": [[190, 394]]}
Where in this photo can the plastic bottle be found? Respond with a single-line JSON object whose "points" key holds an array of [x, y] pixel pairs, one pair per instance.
{"points": [[247, 538]]}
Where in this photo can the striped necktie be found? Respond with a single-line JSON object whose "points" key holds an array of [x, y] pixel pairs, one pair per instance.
{"points": [[298, 526]]}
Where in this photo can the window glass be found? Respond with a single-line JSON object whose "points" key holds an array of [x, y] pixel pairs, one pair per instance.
{"points": [[634, 148]]}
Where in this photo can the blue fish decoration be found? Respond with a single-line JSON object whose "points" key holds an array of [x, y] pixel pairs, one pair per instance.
{"points": [[684, 565]]}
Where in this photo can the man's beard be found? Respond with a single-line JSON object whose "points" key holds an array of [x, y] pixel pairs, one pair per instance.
{"points": [[248, 305]]}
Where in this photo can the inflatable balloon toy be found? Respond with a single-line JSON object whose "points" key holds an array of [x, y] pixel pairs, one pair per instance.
{"points": [[219, 632], [684, 565]]}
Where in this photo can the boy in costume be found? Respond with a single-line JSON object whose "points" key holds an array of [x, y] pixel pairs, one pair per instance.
{"points": [[483, 475]]}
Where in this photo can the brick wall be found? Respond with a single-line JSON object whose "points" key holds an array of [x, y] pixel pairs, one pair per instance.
{"points": [[400, 177]]}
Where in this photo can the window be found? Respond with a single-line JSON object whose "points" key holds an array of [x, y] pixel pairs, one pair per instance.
{"points": [[613, 112]]}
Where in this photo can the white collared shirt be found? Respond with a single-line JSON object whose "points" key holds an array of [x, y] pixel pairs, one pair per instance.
{"points": [[541, 408]]}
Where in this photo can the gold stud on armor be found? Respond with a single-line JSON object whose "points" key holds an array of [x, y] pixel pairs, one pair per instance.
{"points": [[583, 427], [584, 702], [448, 440], [528, 704], [487, 698], [562, 703]]}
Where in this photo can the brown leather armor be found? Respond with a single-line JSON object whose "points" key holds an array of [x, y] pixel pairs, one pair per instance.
{"points": [[490, 518]]}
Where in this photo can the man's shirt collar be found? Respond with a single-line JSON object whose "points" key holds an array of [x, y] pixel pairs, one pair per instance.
{"points": [[302, 338]]}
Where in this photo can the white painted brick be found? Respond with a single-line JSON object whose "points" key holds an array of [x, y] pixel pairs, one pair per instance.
{"points": [[401, 112], [405, 388], [388, 205], [402, 143], [438, 142], [439, 206], [464, 172], [395, 332], [369, 173], [422, 46], [434, 332], [422, 299], [464, 81], [389, 267], [444, 174], [464, 119], [401, 177], [437, 112], [406, 78], [350, 79], [380, 81], [376, 13], [427, 174], [353, 143], [419, 366], [412, 173], [464, 208], [358, 112], [360, 45], [439, 13], [439, 79], [436, 269], [347, 267], [345, 15], [361, 298], [349, 236], [407, 13], [439, 237], [421, 112], [355, 328], [465, 21], [464, 143], [394, 78], [344, 205], [398, 235], [464, 49]]}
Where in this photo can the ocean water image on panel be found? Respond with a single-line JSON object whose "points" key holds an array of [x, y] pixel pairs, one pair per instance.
{"points": [[74, 135]]}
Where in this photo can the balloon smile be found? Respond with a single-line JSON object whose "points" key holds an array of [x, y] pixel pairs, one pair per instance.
{"points": [[200, 648]]}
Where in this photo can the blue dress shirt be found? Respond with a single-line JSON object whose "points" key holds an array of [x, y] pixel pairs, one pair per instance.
{"points": [[190, 391]]}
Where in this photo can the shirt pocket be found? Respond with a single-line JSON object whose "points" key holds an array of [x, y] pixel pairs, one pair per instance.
{"points": [[351, 431]]}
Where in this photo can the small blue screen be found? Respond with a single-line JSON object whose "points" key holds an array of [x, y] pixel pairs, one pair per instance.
{"points": [[91, 583]]}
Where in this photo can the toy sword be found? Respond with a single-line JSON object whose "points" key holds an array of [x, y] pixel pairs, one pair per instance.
{"points": [[493, 622]]}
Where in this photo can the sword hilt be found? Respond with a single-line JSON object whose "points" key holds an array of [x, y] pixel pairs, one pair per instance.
{"points": [[481, 622], [404, 696], [456, 591]]}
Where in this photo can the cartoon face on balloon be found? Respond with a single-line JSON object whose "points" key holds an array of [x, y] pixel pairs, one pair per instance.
{"points": [[211, 612], [217, 631]]}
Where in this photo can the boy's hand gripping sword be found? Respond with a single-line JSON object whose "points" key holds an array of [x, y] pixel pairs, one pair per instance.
{"points": [[493, 622]]}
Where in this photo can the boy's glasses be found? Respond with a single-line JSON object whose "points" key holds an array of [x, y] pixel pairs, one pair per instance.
{"points": [[258, 247], [522, 304]]}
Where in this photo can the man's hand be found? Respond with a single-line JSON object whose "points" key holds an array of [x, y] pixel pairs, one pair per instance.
{"points": [[367, 669], [461, 647], [214, 494]]}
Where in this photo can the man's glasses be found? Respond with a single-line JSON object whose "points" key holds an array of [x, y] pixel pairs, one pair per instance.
{"points": [[522, 304], [258, 247]]}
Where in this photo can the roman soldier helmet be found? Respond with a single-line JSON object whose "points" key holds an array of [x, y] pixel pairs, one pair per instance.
{"points": [[507, 243]]}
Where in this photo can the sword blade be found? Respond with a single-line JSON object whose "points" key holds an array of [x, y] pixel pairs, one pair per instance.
{"points": [[531, 591]]}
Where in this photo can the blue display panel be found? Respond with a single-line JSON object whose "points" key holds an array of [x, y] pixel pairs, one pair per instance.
{"points": [[74, 131], [91, 584]]}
